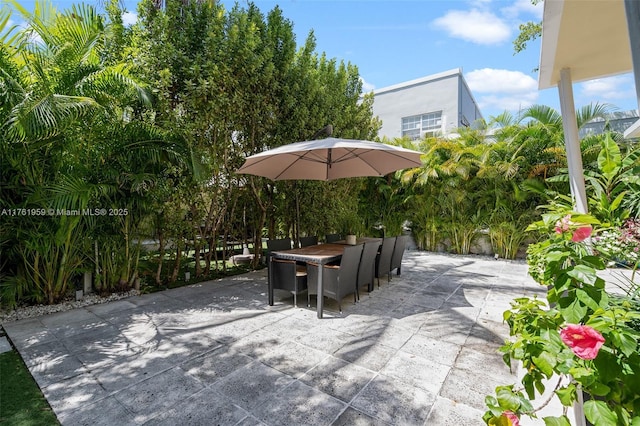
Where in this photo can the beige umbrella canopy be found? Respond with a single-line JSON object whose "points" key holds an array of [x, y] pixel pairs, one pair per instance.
{"points": [[329, 159]]}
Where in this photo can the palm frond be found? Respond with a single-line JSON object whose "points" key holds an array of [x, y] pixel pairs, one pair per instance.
{"points": [[594, 110], [45, 117]]}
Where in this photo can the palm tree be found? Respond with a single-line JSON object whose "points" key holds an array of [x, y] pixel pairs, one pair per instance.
{"points": [[66, 106]]}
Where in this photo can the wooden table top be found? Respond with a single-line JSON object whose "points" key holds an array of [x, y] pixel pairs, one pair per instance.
{"points": [[320, 253]]}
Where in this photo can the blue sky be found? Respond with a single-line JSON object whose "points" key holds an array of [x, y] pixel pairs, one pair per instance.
{"points": [[396, 41]]}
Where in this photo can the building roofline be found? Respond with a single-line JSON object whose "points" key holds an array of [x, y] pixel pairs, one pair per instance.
{"points": [[418, 81]]}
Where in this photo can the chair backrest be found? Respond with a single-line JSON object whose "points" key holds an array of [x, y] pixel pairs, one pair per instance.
{"points": [[332, 238], [275, 245], [367, 263], [398, 251], [383, 263], [308, 241], [349, 265]]}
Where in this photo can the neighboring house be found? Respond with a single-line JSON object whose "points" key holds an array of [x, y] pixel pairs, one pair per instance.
{"points": [[618, 121], [437, 104]]}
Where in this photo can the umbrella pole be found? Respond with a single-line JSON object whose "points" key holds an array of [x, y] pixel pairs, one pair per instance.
{"points": [[297, 224]]}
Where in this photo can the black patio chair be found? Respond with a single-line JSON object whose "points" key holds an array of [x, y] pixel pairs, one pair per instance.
{"points": [[285, 274], [338, 281], [398, 251], [383, 260], [367, 268], [308, 241], [332, 238]]}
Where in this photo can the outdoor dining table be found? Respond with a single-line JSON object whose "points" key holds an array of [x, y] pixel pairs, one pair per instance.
{"points": [[360, 240], [320, 254]]}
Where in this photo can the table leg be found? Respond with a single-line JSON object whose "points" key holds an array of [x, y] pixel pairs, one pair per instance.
{"points": [[270, 280], [320, 295]]}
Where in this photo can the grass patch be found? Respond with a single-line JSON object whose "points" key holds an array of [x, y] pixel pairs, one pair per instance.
{"points": [[21, 401]]}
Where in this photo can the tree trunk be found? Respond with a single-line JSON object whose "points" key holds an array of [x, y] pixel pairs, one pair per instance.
{"points": [[177, 262], [160, 257]]}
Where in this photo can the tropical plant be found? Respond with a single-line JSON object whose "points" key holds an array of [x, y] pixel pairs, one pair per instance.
{"points": [[73, 148], [581, 335]]}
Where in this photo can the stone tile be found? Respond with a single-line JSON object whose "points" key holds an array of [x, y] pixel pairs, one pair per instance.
{"points": [[434, 350], [293, 358], [149, 299], [324, 339], [105, 412], [141, 331], [65, 331], [483, 339], [25, 327], [73, 393], [417, 371], [338, 378], [258, 343], [299, 404], [394, 402], [159, 393], [472, 386], [69, 317], [212, 366], [28, 332], [128, 371], [110, 308], [4, 345], [353, 417], [101, 349], [183, 347], [367, 353], [205, 408], [56, 369], [470, 359], [448, 413], [446, 329], [394, 336], [252, 385], [177, 352], [250, 421], [43, 354]]}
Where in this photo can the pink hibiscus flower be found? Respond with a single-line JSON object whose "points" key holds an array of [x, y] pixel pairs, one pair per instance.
{"points": [[583, 340], [581, 234], [513, 419]]}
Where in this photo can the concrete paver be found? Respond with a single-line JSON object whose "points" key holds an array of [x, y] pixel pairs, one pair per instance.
{"points": [[420, 349]]}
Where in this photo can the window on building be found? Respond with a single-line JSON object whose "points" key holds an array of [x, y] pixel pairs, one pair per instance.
{"points": [[417, 126]]}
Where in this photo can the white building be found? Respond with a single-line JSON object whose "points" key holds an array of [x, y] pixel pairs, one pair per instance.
{"points": [[434, 105]]}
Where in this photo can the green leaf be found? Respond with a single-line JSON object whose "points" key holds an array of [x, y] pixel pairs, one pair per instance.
{"points": [[583, 274], [545, 362], [599, 413], [556, 421], [586, 299], [609, 159], [599, 389], [499, 421], [627, 344], [508, 400], [616, 202], [574, 313], [567, 395]]}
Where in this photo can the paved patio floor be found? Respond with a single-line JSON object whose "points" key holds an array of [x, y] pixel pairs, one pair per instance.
{"points": [[419, 350]]}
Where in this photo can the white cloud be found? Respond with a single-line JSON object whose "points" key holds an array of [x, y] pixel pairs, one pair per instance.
{"points": [[34, 37], [129, 18], [525, 7], [502, 89], [619, 87], [475, 26], [501, 81], [366, 86]]}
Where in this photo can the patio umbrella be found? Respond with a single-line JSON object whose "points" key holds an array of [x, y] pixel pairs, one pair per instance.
{"points": [[329, 159]]}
